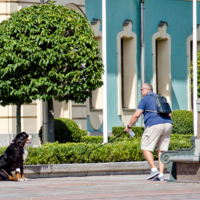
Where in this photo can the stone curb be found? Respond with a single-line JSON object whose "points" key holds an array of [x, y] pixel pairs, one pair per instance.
{"points": [[86, 169]]}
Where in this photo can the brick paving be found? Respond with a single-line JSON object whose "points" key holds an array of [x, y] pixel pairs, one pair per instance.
{"points": [[117, 187]]}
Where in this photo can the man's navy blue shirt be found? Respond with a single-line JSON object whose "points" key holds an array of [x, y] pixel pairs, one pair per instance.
{"points": [[151, 118]]}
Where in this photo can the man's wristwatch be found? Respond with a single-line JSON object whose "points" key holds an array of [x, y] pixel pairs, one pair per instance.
{"points": [[128, 127]]}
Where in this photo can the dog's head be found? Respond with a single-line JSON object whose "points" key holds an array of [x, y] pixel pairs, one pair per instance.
{"points": [[22, 138]]}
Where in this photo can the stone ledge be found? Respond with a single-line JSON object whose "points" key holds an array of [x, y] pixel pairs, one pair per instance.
{"points": [[184, 159], [87, 169]]}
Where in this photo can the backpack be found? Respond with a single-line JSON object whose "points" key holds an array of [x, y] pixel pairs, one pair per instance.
{"points": [[161, 104]]}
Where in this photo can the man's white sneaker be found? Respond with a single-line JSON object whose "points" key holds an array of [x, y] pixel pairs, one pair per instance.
{"points": [[159, 178], [153, 175]]}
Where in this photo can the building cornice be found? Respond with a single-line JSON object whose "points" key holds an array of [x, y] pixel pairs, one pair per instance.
{"points": [[17, 1]]}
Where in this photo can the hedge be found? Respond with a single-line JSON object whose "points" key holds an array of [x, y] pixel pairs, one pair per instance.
{"points": [[99, 139], [182, 125], [119, 129], [121, 151], [127, 150], [182, 122]]}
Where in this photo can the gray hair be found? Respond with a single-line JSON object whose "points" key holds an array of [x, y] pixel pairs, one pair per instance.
{"points": [[148, 86]]}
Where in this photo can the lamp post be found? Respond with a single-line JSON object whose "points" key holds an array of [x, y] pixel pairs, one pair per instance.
{"points": [[142, 43], [195, 113], [105, 128]]}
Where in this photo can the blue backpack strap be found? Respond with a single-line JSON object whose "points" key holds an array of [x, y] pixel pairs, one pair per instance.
{"points": [[155, 100]]}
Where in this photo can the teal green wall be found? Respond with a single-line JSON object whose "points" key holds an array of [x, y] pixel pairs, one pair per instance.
{"points": [[117, 12], [177, 13]]}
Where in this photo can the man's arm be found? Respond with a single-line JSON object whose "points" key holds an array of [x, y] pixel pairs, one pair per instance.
{"points": [[134, 118]]}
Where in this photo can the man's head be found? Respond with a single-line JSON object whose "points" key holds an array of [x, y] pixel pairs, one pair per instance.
{"points": [[146, 88]]}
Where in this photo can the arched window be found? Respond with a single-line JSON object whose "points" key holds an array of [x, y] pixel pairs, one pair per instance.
{"points": [[127, 71], [161, 52]]}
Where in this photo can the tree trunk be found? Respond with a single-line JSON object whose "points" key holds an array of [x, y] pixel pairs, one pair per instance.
{"points": [[18, 118], [44, 122], [51, 137]]}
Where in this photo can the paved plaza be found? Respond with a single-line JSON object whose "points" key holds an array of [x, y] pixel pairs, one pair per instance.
{"points": [[115, 187]]}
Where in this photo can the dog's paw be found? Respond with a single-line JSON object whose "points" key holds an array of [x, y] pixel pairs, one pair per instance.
{"points": [[25, 179], [20, 179]]}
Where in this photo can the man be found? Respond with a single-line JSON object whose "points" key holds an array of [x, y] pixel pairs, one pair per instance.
{"points": [[157, 130]]}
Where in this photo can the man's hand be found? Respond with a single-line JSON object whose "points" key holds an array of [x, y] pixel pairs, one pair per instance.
{"points": [[134, 118], [126, 129]]}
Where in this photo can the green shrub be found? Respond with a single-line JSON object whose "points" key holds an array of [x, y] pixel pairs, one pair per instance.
{"points": [[121, 151], [118, 129], [99, 139], [66, 130], [182, 122], [2, 149], [92, 139], [83, 132], [127, 150]]}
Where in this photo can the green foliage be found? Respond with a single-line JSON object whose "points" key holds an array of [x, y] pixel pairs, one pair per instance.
{"points": [[65, 130], [2, 149], [99, 139], [48, 51], [127, 150], [182, 122], [83, 132], [198, 74], [118, 129]]}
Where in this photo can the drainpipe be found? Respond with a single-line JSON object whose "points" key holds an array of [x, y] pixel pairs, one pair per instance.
{"points": [[142, 43]]}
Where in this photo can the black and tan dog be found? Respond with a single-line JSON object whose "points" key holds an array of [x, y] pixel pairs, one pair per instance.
{"points": [[12, 159]]}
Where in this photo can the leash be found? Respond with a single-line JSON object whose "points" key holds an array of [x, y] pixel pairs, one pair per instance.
{"points": [[103, 144]]}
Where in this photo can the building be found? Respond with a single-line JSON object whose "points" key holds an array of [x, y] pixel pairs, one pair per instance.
{"points": [[168, 54]]}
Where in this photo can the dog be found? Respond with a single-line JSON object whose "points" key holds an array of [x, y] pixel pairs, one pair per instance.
{"points": [[12, 159]]}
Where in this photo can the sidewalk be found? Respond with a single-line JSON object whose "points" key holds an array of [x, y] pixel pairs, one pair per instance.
{"points": [[117, 187]]}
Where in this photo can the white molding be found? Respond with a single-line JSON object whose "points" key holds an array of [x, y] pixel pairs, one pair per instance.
{"points": [[73, 6], [162, 34], [96, 116], [126, 33], [96, 29]]}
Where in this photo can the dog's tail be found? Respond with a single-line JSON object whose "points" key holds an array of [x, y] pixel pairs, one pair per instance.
{"points": [[10, 177], [5, 172]]}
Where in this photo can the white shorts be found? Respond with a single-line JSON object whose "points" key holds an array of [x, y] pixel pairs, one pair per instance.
{"points": [[158, 134]]}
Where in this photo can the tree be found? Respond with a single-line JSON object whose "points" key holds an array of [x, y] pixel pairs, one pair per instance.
{"points": [[47, 51], [198, 75]]}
